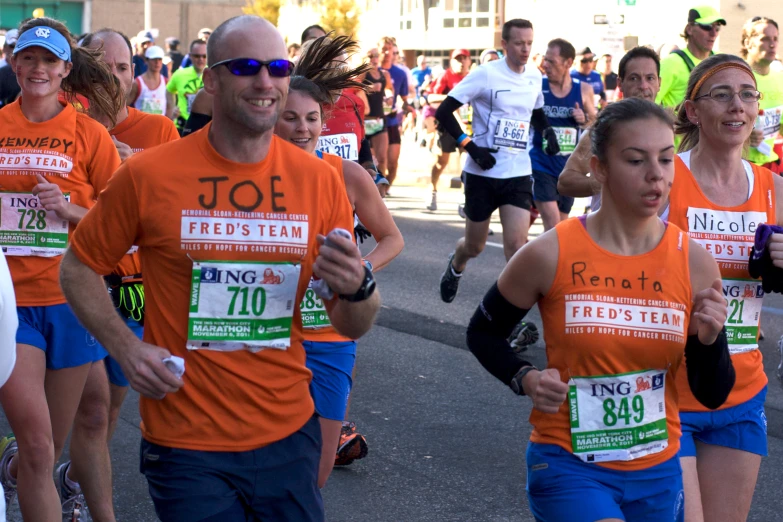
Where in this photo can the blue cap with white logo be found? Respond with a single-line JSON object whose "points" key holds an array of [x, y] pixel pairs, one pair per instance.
{"points": [[47, 38]]}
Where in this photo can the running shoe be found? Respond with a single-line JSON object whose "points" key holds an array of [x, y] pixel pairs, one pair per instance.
{"points": [[434, 205], [72, 499], [461, 211], [8, 449], [449, 282], [353, 446], [780, 351], [523, 336]]}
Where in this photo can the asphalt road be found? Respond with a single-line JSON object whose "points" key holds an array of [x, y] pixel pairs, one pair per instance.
{"points": [[447, 441]]}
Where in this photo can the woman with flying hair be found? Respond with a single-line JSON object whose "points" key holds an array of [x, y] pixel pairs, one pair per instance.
{"points": [[320, 76]]}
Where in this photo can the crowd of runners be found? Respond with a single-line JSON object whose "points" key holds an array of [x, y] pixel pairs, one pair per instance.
{"points": [[651, 406]]}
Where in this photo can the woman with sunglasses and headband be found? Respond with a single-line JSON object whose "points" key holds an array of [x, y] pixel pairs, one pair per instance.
{"points": [[55, 162], [330, 356], [721, 199], [759, 46]]}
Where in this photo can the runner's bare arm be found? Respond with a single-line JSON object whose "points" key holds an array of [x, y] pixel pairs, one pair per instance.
{"points": [[588, 102], [369, 206], [171, 105], [574, 180], [141, 362], [343, 271]]}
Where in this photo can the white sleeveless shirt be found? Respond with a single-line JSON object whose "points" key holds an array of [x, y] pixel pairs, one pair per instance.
{"points": [[151, 101]]}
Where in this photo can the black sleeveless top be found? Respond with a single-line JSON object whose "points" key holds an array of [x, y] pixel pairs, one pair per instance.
{"points": [[375, 99]]}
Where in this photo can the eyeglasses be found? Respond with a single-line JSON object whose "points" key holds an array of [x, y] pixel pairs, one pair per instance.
{"points": [[250, 67], [708, 27], [586, 60], [725, 95], [198, 56]]}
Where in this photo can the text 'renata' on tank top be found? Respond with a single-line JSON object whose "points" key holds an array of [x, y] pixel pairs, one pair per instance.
{"points": [[560, 113], [728, 234], [149, 100], [615, 328]]}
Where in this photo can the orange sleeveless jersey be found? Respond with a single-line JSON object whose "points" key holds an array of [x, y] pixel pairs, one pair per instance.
{"points": [[728, 234], [141, 131], [607, 315], [326, 334]]}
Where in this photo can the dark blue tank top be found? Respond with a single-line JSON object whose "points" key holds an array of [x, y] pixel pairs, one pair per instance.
{"points": [[558, 111]]}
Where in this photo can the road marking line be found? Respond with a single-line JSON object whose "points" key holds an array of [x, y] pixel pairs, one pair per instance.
{"points": [[496, 245], [776, 311]]}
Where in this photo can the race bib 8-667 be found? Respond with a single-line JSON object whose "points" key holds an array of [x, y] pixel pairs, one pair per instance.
{"points": [[27, 229], [241, 305], [618, 417], [511, 135]]}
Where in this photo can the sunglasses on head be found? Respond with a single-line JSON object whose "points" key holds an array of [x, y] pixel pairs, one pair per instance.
{"points": [[280, 68]]}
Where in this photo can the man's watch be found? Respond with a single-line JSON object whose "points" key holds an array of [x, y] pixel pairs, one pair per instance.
{"points": [[516, 381], [365, 291], [366, 262]]}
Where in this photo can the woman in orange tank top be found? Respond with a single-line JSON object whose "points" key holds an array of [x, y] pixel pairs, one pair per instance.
{"points": [[623, 298], [720, 200], [331, 356], [54, 162]]}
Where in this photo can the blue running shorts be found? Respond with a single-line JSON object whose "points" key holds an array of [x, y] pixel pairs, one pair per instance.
{"points": [[561, 487], [113, 369], [332, 365], [742, 427], [55, 330], [274, 483]]}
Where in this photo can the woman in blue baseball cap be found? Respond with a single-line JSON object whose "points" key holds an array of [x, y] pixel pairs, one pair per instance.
{"points": [[54, 162]]}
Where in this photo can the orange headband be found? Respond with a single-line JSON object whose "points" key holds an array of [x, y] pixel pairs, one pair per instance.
{"points": [[717, 69]]}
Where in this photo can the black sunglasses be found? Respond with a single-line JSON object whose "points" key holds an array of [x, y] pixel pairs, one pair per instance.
{"points": [[250, 67], [708, 27]]}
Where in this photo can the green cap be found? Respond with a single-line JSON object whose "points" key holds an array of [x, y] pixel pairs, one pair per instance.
{"points": [[705, 15]]}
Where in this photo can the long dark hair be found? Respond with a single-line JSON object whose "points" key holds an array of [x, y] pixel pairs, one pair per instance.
{"points": [[90, 76], [315, 74]]}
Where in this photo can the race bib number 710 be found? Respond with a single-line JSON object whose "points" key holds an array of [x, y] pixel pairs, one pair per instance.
{"points": [[241, 305]]}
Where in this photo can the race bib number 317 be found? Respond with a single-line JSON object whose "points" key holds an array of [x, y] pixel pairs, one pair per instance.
{"points": [[241, 305]]}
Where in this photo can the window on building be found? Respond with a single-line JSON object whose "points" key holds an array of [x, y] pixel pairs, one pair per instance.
{"points": [[482, 6], [408, 24], [465, 6], [448, 22], [465, 22], [402, 7], [401, 24], [482, 22], [449, 5]]}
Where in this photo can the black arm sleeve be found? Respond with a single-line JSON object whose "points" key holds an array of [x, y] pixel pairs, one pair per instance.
{"points": [[710, 370], [365, 152], [195, 122], [539, 121], [445, 116], [488, 333]]}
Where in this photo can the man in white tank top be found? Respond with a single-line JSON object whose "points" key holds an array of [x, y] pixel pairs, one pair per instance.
{"points": [[148, 93]]}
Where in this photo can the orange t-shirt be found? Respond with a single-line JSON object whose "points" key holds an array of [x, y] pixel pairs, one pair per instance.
{"points": [[141, 131], [317, 326], [611, 316], [728, 234], [71, 150], [207, 208]]}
